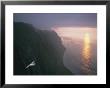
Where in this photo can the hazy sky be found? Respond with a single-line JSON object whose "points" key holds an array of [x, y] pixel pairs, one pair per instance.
{"points": [[49, 20]]}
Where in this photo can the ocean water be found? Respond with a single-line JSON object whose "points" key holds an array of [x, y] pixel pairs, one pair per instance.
{"points": [[80, 56]]}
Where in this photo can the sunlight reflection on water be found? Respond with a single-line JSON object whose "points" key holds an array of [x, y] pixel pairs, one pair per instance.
{"points": [[86, 53], [80, 55]]}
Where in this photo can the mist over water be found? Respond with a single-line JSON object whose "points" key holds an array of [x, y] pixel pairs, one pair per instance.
{"points": [[80, 55]]}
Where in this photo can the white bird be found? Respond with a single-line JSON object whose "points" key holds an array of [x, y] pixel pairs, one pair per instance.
{"points": [[31, 64]]}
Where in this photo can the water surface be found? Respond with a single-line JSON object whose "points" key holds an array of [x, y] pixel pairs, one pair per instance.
{"points": [[80, 55]]}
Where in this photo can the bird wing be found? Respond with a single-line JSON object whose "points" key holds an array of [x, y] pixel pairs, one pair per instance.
{"points": [[31, 64]]}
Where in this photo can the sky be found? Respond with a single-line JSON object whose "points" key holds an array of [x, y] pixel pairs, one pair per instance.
{"points": [[47, 21]]}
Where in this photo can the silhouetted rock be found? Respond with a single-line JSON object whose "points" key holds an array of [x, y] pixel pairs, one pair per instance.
{"points": [[42, 46]]}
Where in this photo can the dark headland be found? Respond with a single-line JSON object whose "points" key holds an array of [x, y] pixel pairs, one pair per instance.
{"points": [[44, 47]]}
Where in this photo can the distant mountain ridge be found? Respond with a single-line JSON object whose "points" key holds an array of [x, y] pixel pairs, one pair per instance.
{"points": [[42, 46]]}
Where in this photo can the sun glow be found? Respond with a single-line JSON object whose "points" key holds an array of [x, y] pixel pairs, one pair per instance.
{"points": [[86, 53], [87, 39], [86, 46], [75, 32]]}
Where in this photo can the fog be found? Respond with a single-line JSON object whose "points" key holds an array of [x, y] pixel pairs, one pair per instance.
{"points": [[80, 44]]}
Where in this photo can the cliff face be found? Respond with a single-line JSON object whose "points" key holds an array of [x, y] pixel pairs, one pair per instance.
{"points": [[43, 47]]}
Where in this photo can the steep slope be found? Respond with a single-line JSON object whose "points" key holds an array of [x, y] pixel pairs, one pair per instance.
{"points": [[42, 46]]}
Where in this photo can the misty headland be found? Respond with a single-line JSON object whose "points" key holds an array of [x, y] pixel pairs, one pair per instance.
{"points": [[42, 46]]}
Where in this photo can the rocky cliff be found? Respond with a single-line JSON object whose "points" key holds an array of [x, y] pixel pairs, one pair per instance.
{"points": [[44, 47]]}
